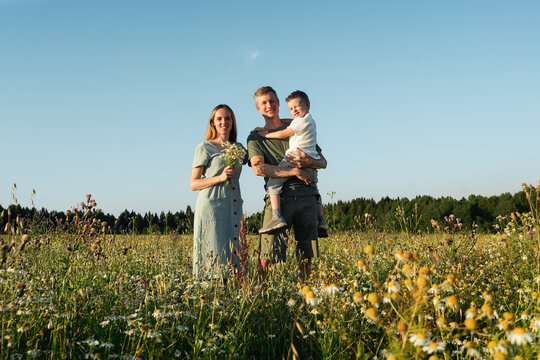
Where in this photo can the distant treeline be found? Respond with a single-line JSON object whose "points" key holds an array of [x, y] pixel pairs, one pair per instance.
{"points": [[128, 222], [389, 215], [413, 215]]}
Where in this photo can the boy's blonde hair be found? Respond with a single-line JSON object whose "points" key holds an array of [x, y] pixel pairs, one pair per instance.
{"points": [[211, 132], [263, 90], [298, 94]]}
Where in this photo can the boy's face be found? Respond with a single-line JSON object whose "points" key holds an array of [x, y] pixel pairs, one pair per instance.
{"points": [[298, 107], [268, 105]]}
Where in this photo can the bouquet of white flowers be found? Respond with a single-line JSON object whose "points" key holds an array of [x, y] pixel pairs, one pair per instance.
{"points": [[233, 154]]}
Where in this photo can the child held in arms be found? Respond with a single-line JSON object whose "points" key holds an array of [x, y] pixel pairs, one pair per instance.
{"points": [[302, 134]]}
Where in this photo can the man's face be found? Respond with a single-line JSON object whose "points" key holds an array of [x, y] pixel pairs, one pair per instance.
{"points": [[298, 107], [267, 105]]}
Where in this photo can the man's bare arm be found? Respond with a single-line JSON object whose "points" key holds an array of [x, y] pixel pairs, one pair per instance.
{"points": [[262, 169]]}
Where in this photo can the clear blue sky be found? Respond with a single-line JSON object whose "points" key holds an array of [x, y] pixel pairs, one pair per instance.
{"points": [[110, 97]]}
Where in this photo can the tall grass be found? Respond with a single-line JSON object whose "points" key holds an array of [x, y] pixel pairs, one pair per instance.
{"points": [[78, 292]]}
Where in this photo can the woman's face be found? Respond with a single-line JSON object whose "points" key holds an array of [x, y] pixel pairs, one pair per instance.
{"points": [[223, 123]]}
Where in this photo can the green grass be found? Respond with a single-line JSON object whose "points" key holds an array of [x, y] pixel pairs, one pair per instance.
{"points": [[79, 294]]}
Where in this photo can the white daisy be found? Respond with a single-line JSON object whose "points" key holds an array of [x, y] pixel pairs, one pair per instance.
{"points": [[535, 323], [419, 339], [470, 350], [331, 289], [471, 313], [519, 336], [393, 287], [434, 347], [311, 299]]}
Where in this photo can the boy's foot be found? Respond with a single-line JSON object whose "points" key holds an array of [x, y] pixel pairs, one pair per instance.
{"points": [[274, 224], [322, 230]]}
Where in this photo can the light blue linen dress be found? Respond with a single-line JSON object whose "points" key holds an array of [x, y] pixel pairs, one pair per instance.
{"points": [[218, 213]]}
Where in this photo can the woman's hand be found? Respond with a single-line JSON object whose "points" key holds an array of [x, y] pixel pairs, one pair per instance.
{"points": [[227, 173], [197, 183]]}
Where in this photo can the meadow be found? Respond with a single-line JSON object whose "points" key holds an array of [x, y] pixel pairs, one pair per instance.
{"points": [[79, 292]]}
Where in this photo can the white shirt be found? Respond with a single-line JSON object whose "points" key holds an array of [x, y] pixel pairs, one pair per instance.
{"points": [[305, 136]]}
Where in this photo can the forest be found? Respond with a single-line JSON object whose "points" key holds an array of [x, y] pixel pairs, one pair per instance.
{"points": [[421, 214]]}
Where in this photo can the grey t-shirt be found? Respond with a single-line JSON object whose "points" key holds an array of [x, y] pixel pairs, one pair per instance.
{"points": [[273, 151]]}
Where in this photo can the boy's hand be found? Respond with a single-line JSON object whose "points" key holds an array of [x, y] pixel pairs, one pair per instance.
{"points": [[262, 132], [257, 129]]}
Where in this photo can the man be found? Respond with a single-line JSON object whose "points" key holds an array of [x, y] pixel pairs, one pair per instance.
{"points": [[299, 195]]}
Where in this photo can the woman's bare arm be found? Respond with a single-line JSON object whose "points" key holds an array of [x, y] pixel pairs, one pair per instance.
{"points": [[197, 183]]}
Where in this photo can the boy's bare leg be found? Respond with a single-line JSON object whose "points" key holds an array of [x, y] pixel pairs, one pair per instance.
{"points": [[277, 221], [275, 202]]}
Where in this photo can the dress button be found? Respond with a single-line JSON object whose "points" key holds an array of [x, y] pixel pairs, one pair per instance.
{"points": [[233, 188], [235, 213], [235, 225], [234, 200]]}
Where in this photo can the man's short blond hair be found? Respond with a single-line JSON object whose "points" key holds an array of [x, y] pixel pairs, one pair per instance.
{"points": [[263, 90]]}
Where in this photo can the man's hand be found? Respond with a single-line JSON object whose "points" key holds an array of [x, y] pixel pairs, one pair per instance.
{"points": [[258, 169], [305, 176], [302, 160]]}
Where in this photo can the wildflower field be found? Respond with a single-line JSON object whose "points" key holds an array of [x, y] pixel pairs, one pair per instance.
{"points": [[79, 292]]}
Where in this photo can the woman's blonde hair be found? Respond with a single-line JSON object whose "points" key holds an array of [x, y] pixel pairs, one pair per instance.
{"points": [[211, 132]]}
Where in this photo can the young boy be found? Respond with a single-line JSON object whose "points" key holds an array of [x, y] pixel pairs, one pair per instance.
{"points": [[302, 134]]}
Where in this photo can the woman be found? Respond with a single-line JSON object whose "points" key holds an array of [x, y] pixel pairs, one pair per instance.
{"points": [[218, 211]]}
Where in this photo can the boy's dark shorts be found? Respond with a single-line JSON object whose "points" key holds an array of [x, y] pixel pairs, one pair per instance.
{"points": [[301, 213]]}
